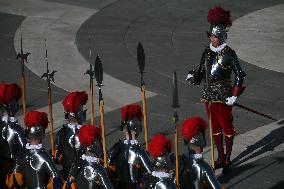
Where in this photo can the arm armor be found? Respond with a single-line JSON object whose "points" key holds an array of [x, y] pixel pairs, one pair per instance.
{"points": [[199, 73], [237, 69]]}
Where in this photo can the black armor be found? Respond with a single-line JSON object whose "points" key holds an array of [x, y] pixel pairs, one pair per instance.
{"points": [[12, 141], [88, 173], [68, 146], [159, 180], [219, 66], [12, 138], [195, 173], [127, 155], [37, 168]]}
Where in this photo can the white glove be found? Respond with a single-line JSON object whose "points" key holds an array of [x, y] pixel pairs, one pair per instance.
{"points": [[188, 76], [231, 100]]}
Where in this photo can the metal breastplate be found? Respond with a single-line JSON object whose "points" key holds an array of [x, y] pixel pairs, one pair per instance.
{"points": [[165, 184], [37, 168], [221, 67], [126, 157], [160, 183], [200, 172], [90, 175], [12, 136], [136, 155], [71, 146]]}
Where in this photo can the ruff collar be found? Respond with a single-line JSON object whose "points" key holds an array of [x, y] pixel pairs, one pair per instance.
{"points": [[74, 126], [33, 146], [132, 142], [196, 156], [219, 48], [11, 119], [90, 159], [161, 174]]}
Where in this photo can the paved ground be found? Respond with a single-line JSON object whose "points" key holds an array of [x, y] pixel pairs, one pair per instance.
{"points": [[173, 35]]}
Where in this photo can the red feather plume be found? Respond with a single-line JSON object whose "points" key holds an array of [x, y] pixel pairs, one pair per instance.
{"points": [[3, 88], [74, 100], [130, 111], [88, 133], [36, 118], [218, 15], [159, 145], [191, 126], [8, 93]]}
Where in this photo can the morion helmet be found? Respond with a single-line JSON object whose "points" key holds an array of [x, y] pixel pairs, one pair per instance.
{"points": [[73, 106], [193, 131], [220, 22], [131, 117], [9, 97], [36, 123], [160, 148], [90, 139]]}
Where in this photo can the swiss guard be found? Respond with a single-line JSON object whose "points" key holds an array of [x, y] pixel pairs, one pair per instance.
{"points": [[67, 141], [163, 177], [35, 168], [87, 172], [195, 173], [217, 64], [127, 156], [12, 135]]}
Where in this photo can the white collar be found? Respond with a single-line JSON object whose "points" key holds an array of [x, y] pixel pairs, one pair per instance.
{"points": [[132, 142], [196, 156], [33, 146], [11, 119], [74, 126], [219, 48], [91, 159], [161, 174]]}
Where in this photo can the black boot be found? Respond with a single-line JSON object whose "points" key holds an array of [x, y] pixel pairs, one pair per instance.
{"points": [[220, 149]]}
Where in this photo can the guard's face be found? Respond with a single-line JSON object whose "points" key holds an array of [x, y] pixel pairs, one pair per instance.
{"points": [[214, 41]]}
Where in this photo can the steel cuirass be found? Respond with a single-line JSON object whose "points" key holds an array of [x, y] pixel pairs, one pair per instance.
{"points": [[160, 180], [127, 157], [195, 172], [68, 144], [219, 66], [12, 138], [91, 175], [37, 167]]}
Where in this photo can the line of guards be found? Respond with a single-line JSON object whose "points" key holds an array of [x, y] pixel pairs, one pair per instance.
{"points": [[26, 164]]}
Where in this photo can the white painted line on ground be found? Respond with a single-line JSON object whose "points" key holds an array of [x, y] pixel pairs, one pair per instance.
{"points": [[258, 38], [59, 23]]}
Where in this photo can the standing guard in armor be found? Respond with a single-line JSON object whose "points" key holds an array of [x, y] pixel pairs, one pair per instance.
{"points": [[217, 63], [195, 173], [127, 155], [35, 168], [163, 176], [12, 136], [88, 173], [67, 141]]}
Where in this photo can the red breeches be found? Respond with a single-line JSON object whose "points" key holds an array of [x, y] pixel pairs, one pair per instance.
{"points": [[221, 119]]}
